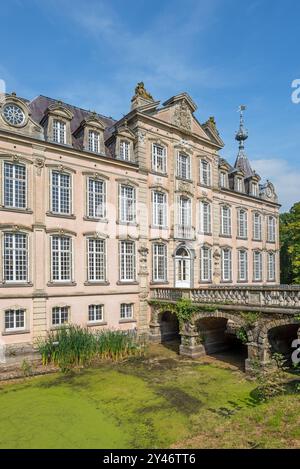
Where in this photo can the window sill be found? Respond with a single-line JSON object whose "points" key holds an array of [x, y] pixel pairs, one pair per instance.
{"points": [[96, 283], [159, 282], [226, 281], [157, 173], [205, 282], [271, 242], [16, 284], [161, 228], [96, 323], [179, 178], [243, 238], [242, 281], [204, 234], [61, 284], [27, 211], [132, 282], [61, 215], [225, 235], [95, 219], [55, 327], [23, 331], [127, 223], [125, 321], [256, 240], [206, 186]]}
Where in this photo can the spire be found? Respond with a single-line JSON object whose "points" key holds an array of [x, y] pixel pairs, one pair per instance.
{"points": [[242, 161]]}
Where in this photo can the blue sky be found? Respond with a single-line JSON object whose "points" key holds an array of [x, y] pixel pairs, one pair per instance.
{"points": [[223, 52]]}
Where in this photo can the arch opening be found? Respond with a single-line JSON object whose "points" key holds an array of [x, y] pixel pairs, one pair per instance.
{"points": [[169, 327], [280, 340], [220, 340]]}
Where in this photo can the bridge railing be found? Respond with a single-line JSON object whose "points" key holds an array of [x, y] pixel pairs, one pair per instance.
{"points": [[282, 296]]}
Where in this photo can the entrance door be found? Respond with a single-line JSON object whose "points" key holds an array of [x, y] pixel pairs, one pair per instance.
{"points": [[182, 269]]}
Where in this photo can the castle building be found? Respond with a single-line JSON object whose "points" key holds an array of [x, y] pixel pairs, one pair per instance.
{"points": [[95, 212]]}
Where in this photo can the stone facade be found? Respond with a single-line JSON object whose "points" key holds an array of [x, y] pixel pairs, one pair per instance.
{"points": [[170, 162]]}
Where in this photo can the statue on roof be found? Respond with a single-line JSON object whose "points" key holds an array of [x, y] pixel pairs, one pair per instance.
{"points": [[141, 91]]}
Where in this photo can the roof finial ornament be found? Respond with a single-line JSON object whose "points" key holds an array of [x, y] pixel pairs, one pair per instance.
{"points": [[242, 133]]}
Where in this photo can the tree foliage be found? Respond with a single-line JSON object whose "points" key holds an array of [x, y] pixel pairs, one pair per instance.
{"points": [[290, 245]]}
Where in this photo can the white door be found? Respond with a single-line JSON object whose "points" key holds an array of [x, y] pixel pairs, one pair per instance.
{"points": [[182, 269]]}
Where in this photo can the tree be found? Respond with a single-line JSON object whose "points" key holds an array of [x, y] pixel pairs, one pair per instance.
{"points": [[290, 245]]}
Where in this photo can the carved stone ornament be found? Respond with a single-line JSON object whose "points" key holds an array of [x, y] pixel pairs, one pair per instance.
{"points": [[141, 135], [143, 251], [182, 116], [39, 164]]}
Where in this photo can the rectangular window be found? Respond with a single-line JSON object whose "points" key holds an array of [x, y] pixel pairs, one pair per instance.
{"points": [[205, 217], [254, 189], [96, 260], [225, 221], [271, 267], [223, 179], [60, 315], [206, 264], [243, 266], [14, 320], [127, 261], [239, 185], [127, 204], [271, 229], [15, 257], [185, 216], [159, 267], [159, 201], [159, 158], [60, 193], [61, 258], [257, 229], [126, 311], [124, 150], [183, 166], [205, 173], [242, 224], [96, 198], [226, 265], [94, 141], [257, 266], [59, 131], [95, 313], [14, 185]]}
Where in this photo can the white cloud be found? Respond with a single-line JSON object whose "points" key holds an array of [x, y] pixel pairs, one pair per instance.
{"points": [[284, 175]]}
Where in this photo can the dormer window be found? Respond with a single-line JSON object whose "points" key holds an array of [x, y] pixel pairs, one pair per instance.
{"points": [[239, 184], [124, 150], [59, 131], [223, 179], [254, 189], [94, 141]]}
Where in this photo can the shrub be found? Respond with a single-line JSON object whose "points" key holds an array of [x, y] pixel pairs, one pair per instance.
{"points": [[71, 346]]}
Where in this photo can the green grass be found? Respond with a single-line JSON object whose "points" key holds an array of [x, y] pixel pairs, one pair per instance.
{"points": [[158, 401]]}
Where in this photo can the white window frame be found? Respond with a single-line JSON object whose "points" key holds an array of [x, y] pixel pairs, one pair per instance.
{"points": [[14, 310], [60, 311], [59, 134], [206, 264], [93, 311], [205, 172], [226, 228], [124, 150], [159, 209], [205, 217], [159, 262], [254, 189], [257, 226], [239, 184], [223, 179], [95, 210], [127, 203], [60, 192], [13, 180], [126, 311], [242, 265], [257, 266], [127, 261], [93, 141], [12, 254], [242, 222], [159, 158], [226, 268], [272, 267], [272, 229], [59, 261], [96, 260], [183, 169]]}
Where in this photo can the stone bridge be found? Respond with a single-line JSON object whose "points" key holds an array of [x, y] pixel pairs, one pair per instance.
{"points": [[260, 320]]}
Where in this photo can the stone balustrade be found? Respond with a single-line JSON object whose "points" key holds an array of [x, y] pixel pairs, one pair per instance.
{"points": [[282, 296]]}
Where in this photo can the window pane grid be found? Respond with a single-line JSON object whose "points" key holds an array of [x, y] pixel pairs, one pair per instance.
{"points": [[15, 259], [126, 311], [60, 315], [14, 185], [59, 131], [127, 261], [206, 264], [159, 209], [127, 204], [96, 198], [60, 193], [14, 319], [61, 258], [183, 166], [95, 313], [159, 262], [94, 140], [124, 150], [96, 260], [159, 159]]}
